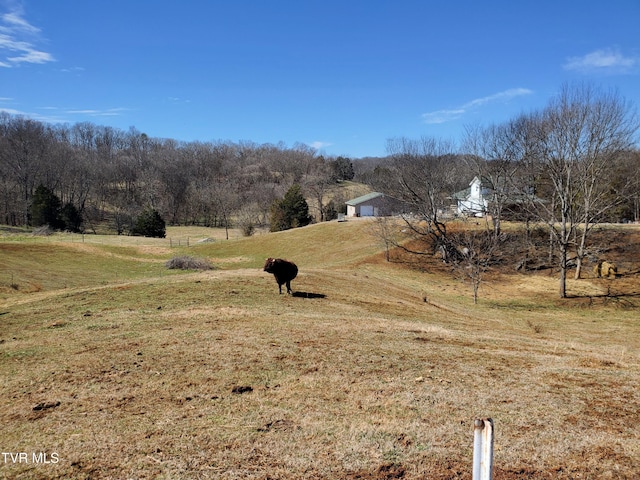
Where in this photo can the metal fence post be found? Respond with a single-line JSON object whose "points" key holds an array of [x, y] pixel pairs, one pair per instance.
{"points": [[483, 449]]}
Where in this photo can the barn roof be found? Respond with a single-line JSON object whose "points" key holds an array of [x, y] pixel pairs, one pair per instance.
{"points": [[364, 198]]}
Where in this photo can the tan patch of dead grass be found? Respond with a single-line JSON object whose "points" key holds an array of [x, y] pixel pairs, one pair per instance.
{"points": [[369, 381]]}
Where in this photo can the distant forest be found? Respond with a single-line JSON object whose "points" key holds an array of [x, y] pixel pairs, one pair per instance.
{"points": [[103, 178], [109, 176]]}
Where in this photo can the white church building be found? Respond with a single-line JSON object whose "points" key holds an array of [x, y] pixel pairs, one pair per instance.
{"points": [[473, 200]]}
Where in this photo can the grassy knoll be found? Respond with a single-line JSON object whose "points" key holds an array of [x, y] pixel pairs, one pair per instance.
{"points": [[124, 369]]}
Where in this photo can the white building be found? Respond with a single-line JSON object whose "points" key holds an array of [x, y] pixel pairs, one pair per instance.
{"points": [[473, 200], [374, 204]]}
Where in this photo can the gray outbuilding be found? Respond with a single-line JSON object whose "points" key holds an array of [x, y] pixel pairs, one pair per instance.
{"points": [[374, 204]]}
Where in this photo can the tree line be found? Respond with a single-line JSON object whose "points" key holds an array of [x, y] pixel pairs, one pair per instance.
{"points": [[104, 178]]}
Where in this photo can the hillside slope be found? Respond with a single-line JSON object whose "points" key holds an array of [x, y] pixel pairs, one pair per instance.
{"points": [[124, 369]]}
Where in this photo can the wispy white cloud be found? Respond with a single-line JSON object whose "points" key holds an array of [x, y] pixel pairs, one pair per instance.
{"points": [[320, 145], [606, 60], [448, 115], [8, 101], [109, 112], [18, 39], [83, 112], [15, 21], [52, 114], [443, 116], [177, 100], [72, 70], [11, 111], [33, 115]]}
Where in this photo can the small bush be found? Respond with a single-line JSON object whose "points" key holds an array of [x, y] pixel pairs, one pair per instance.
{"points": [[189, 263], [42, 231], [248, 229], [537, 328]]}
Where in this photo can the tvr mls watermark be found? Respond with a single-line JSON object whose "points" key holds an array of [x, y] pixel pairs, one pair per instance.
{"points": [[35, 458]]}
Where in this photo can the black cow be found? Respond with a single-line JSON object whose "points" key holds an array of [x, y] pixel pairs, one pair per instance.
{"points": [[283, 270]]}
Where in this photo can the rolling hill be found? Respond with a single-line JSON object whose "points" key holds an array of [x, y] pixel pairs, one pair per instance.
{"points": [[113, 366]]}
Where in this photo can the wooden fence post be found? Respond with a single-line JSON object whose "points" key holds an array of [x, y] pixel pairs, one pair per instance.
{"points": [[483, 449]]}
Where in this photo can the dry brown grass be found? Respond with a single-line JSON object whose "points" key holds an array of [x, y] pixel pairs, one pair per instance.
{"points": [[377, 373]]}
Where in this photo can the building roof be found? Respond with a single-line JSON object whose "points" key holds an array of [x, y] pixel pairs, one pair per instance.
{"points": [[364, 198], [462, 194]]}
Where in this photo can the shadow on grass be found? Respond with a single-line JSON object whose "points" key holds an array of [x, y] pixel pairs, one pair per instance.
{"points": [[624, 299], [609, 294], [308, 295]]}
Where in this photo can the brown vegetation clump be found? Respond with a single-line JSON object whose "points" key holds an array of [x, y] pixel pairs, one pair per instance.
{"points": [[189, 263]]}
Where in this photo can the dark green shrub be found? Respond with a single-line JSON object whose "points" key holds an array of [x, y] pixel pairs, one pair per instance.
{"points": [[342, 169], [290, 212], [71, 218], [149, 224], [45, 209], [330, 211]]}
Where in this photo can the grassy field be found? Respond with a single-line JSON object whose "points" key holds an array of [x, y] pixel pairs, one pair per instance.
{"points": [[113, 366]]}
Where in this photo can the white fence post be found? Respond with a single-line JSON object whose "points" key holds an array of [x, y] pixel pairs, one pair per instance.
{"points": [[483, 449]]}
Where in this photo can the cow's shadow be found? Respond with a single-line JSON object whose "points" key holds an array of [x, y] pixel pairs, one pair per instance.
{"points": [[308, 295]]}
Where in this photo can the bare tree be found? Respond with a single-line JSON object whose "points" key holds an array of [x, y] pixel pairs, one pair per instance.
{"points": [[224, 201], [609, 133], [494, 155], [476, 251], [625, 186], [318, 181], [581, 132], [23, 156], [385, 229], [174, 169], [425, 177], [108, 173]]}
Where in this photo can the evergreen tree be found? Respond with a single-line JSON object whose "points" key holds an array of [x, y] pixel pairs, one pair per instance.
{"points": [[71, 218], [277, 220], [45, 209], [342, 169], [330, 211], [290, 212], [149, 224]]}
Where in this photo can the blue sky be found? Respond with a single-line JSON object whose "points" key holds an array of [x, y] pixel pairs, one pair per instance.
{"points": [[341, 76]]}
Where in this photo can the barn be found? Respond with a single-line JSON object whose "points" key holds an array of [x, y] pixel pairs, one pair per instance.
{"points": [[374, 204]]}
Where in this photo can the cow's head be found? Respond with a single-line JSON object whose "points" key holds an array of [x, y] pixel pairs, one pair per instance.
{"points": [[268, 265]]}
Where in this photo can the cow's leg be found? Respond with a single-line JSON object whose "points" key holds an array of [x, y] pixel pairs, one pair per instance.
{"points": [[280, 288], [289, 286]]}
